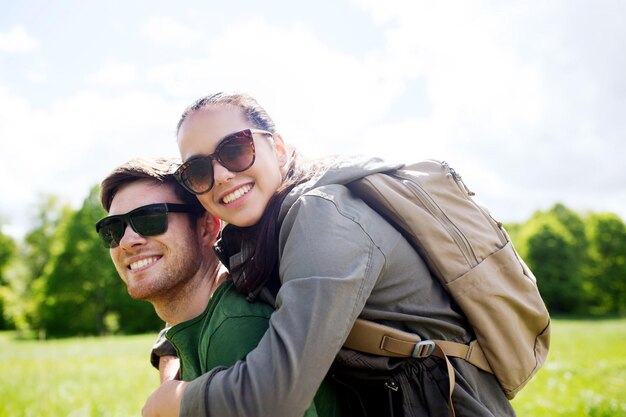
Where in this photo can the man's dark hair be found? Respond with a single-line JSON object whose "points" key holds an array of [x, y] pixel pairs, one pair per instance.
{"points": [[158, 170]]}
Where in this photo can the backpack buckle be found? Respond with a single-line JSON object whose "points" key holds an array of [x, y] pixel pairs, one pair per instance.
{"points": [[423, 349]]}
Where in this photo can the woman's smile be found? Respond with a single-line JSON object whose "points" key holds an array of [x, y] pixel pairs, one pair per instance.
{"points": [[237, 194]]}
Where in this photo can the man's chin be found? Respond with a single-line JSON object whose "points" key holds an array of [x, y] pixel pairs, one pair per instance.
{"points": [[139, 292]]}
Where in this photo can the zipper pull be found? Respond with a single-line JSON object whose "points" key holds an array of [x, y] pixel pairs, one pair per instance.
{"points": [[392, 386], [458, 179]]}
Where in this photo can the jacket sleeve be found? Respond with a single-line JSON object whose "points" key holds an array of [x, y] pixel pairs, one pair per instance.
{"points": [[329, 264]]}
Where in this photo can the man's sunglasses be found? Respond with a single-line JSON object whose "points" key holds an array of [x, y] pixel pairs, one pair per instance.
{"points": [[235, 152], [150, 220]]}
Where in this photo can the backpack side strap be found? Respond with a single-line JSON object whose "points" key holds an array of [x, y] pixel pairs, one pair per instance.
{"points": [[378, 339]]}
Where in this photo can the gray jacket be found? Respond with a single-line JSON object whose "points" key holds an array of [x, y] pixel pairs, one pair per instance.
{"points": [[338, 260]]}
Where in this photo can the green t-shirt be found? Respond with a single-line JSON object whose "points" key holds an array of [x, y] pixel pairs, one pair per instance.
{"points": [[224, 333]]}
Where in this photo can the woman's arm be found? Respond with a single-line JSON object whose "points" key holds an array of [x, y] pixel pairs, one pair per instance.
{"points": [[165, 400], [329, 264]]}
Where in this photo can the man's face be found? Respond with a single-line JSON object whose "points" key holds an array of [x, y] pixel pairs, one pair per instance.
{"points": [[155, 266]]}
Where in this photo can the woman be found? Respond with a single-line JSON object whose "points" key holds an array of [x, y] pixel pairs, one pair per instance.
{"points": [[295, 231]]}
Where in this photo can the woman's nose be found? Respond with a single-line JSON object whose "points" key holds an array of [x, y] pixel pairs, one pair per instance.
{"points": [[220, 173]]}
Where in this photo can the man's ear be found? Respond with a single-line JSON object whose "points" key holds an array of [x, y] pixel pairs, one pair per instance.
{"points": [[209, 228]]}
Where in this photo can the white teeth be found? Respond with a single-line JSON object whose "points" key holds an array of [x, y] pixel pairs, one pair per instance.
{"points": [[143, 262], [237, 194]]}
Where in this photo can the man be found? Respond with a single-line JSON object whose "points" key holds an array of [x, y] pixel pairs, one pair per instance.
{"points": [[160, 240]]}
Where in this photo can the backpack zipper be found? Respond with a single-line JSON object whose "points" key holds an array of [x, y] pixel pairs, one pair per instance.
{"points": [[497, 226], [434, 209]]}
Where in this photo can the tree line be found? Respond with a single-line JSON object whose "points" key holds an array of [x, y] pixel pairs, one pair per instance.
{"points": [[59, 281]]}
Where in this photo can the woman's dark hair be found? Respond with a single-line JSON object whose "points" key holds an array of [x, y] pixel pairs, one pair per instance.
{"points": [[250, 108], [261, 269], [261, 266]]}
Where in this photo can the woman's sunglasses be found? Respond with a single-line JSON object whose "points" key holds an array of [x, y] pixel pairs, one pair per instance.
{"points": [[150, 220], [235, 152]]}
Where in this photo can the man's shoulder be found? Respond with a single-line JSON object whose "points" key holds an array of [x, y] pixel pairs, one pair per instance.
{"points": [[231, 304]]}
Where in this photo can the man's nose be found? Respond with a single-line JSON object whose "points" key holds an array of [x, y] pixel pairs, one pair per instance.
{"points": [[131, 238]]}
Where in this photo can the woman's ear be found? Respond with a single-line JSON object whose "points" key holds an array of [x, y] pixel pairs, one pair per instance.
{"points": [[281, 150]]}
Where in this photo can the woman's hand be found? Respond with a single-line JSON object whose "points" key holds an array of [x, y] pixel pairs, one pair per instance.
{"points": [[165, 400]]}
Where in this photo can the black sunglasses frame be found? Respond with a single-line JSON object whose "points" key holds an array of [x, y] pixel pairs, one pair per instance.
{"points": [[157, 212], [247, 141]]}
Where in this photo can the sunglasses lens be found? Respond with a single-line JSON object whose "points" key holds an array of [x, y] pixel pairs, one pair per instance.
{"points": [[150, 221], [147, 221], [111, 232], [198, 175], [237, 154]]}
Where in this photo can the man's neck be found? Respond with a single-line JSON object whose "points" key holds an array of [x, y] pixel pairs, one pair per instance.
{"points": [[189, 301]]}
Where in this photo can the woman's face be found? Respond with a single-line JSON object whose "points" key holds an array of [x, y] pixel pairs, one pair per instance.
{"points": [[239, 198]]}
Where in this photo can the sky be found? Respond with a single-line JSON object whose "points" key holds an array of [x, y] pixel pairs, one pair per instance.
{"points": [[527, 100]]}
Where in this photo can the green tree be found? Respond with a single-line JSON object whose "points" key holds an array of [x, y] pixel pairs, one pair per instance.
{"points": [[606, 280], [83, 292], [7, 252], [22, 294], [552, 252], [575, 225]]}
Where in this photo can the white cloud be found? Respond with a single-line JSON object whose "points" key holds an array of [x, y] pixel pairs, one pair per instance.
{"points": [[17, 40], [530, 95], [324, 96], [167, 31], [36, 77], [114, 74], [73, 144]]}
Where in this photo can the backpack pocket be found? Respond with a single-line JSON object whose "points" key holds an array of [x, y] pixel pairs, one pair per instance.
{"points": [[516, 344]]}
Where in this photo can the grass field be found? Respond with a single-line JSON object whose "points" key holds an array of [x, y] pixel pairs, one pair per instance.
{"points": [[110, 376], [585, 374], [79, 377]]}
